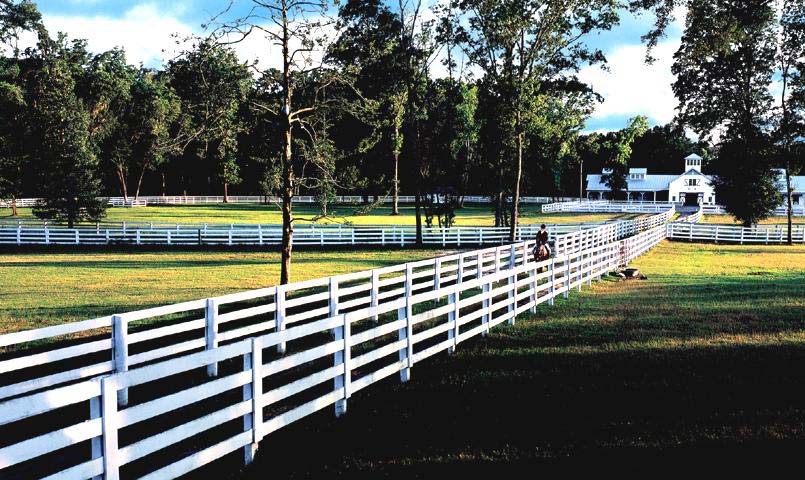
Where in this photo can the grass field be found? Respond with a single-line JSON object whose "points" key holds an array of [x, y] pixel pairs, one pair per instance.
{"points": [[41, 289], [471, 215], [698, 367], [729, 220]]}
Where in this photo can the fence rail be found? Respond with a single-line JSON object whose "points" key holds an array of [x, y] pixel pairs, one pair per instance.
{"points": [[771, 234], [229, 370], [298, 199]]}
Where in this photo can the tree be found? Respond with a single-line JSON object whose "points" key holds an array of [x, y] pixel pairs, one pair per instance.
{"points": [[212, 85], [724, 68], [143, 139], [297, 27], [521, 45], [69, 184], [791, 124], [15, 18], [619, 152]]}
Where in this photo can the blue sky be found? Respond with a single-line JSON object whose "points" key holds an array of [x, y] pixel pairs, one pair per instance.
{"points": [[145, 28]]}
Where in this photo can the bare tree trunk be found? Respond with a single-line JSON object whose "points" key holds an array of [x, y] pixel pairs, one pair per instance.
{"points": [[226, 192], [14, 212], [164, 190], [121, 176], [417, 212], [395, 209], [516, 196], [287, 167], [790, 200], [140, 183]]}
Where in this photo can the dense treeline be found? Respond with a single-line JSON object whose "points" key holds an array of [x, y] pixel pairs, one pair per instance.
{"points": [[353, 107]]}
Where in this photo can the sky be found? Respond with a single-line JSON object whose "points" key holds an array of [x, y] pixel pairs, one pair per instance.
{"points": [[147, 30]]}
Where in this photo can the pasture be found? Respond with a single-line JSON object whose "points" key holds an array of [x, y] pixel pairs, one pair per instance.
{"points": [[470, 215], [42, 289], [701, 362]]}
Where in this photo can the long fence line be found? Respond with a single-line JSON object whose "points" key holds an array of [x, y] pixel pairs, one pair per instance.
{"points": [[760, 234], [798, 210], [606, 206], [250, 199], [133, 392], [271, 235]]}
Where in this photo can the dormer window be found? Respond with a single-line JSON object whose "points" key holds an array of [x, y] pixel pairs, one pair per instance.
{"points": [[693, 182], [637, 176]]}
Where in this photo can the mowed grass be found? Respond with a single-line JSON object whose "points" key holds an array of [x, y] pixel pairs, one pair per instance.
{"points": [[470, 215], [700, 365], [42, 289], [730, 220]]}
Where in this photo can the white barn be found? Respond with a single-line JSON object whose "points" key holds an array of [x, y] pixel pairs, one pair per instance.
{"points": [[691, 187]]}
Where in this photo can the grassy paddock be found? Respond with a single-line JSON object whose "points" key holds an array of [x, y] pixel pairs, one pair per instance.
{"points": [[471, 215], [41, 289], [700, 363]]}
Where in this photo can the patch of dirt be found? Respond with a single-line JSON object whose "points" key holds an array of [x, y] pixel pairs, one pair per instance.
{"points": [[760, 274]]}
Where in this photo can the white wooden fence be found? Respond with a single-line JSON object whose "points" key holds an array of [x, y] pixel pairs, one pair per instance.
{"points": [[227, 371], [270, 235], [764, 234], [798, 210], [299, 199], [607, 206]]}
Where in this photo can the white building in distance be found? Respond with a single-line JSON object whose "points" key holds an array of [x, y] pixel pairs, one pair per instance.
{"points": [[692, 187]]}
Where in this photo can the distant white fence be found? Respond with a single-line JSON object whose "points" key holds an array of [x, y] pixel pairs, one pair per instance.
{"points": [[607, 206], [763, 234], [798, 210], [270, 235], [298, 199], [257, 361]]}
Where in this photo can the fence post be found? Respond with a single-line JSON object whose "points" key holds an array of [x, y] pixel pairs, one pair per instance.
{"points": [[109, 421], [551, 281], [567, 272], [77, 239], [405, 333], [512, 298], [120, 352], [485, 303], [211, 332], [279, 315], [455, 314], [342, 357], [437, 273], [96, 444], [47, 235], [252, 421], [374, 293], [19, 234]]}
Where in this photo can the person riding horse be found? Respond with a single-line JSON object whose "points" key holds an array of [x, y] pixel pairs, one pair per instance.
{"points": [[542, 251]]}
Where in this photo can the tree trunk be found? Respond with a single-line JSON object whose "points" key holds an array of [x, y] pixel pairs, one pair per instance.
{"points": [[226, 192], [163, 184], [790, 200], [14, 212], [287, 167], [417, 212], [516, 196], [121, 176], [395, 209], [140, 183]]}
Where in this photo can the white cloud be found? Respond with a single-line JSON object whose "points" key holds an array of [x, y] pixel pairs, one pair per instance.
{"points": [[631, 87], [145, 31]]}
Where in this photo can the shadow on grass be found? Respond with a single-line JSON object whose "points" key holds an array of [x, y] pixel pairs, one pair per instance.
{"points": [[469, 414], [519, 402]]}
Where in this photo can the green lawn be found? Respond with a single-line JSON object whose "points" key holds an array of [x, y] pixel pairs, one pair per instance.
{"points": [[471, 215], [729, 220], [41, 289], [700, 366]]}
